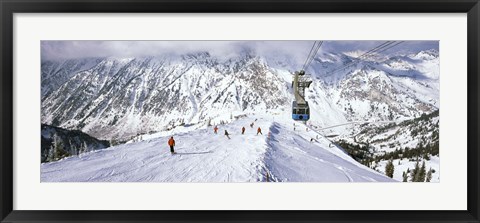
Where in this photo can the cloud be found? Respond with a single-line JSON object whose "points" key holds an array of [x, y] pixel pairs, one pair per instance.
{"points": [[355, 47], [78, 49], [296, 51]]}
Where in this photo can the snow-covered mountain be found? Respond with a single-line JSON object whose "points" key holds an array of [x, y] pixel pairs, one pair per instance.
{"points": [[375, 90], [123, 97], [118, 98], [56, 73]]}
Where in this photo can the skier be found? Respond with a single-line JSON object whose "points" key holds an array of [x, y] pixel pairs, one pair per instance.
{"points": [[226, 134], [243, 130], [215, 129], [251, 125], [171, 143], [259, 130]]}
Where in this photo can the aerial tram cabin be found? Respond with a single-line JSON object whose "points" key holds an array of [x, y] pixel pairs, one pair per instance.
{"points": [[300, 108], [300, 112]]}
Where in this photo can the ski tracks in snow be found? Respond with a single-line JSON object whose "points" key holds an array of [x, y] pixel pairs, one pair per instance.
{"points": [[203, 156], [294, 158]]}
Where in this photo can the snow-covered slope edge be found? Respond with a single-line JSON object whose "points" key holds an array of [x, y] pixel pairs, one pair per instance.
{"points": [[293, 157], [207, 157]]}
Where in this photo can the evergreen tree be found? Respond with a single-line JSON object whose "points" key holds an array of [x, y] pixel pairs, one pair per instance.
{"points": [[429, 175], [50, 156], [405, 176], [83, 148], [422, 173], [86, 148], [44, 156], [415, 172], [73, 149], [58, 148], [389, 169]]}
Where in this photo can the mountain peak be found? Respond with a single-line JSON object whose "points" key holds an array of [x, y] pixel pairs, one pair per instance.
{"points": [[426, 54]]}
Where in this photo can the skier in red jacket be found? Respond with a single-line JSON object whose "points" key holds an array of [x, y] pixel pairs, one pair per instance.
{"points": [[171, 143]]}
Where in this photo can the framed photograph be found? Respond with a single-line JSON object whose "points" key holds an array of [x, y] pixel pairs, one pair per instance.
{"points": [[200, 111]]}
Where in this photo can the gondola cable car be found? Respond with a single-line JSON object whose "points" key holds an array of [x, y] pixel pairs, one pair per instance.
{"points": [[300, 108]]}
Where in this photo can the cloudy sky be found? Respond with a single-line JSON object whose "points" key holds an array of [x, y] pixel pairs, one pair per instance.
{"points": [[54, 50]]}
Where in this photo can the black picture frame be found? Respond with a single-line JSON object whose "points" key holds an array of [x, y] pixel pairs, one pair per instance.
{"points": [[9, 7]]}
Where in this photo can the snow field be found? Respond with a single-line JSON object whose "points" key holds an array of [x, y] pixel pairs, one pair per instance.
{"points": [[203, 156]]}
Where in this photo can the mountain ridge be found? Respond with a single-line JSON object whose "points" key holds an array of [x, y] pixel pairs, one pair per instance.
{"points": [[123, 97]]}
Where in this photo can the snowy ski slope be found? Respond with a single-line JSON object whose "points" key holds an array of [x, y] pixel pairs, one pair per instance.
{"points": [[202, 156]]}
